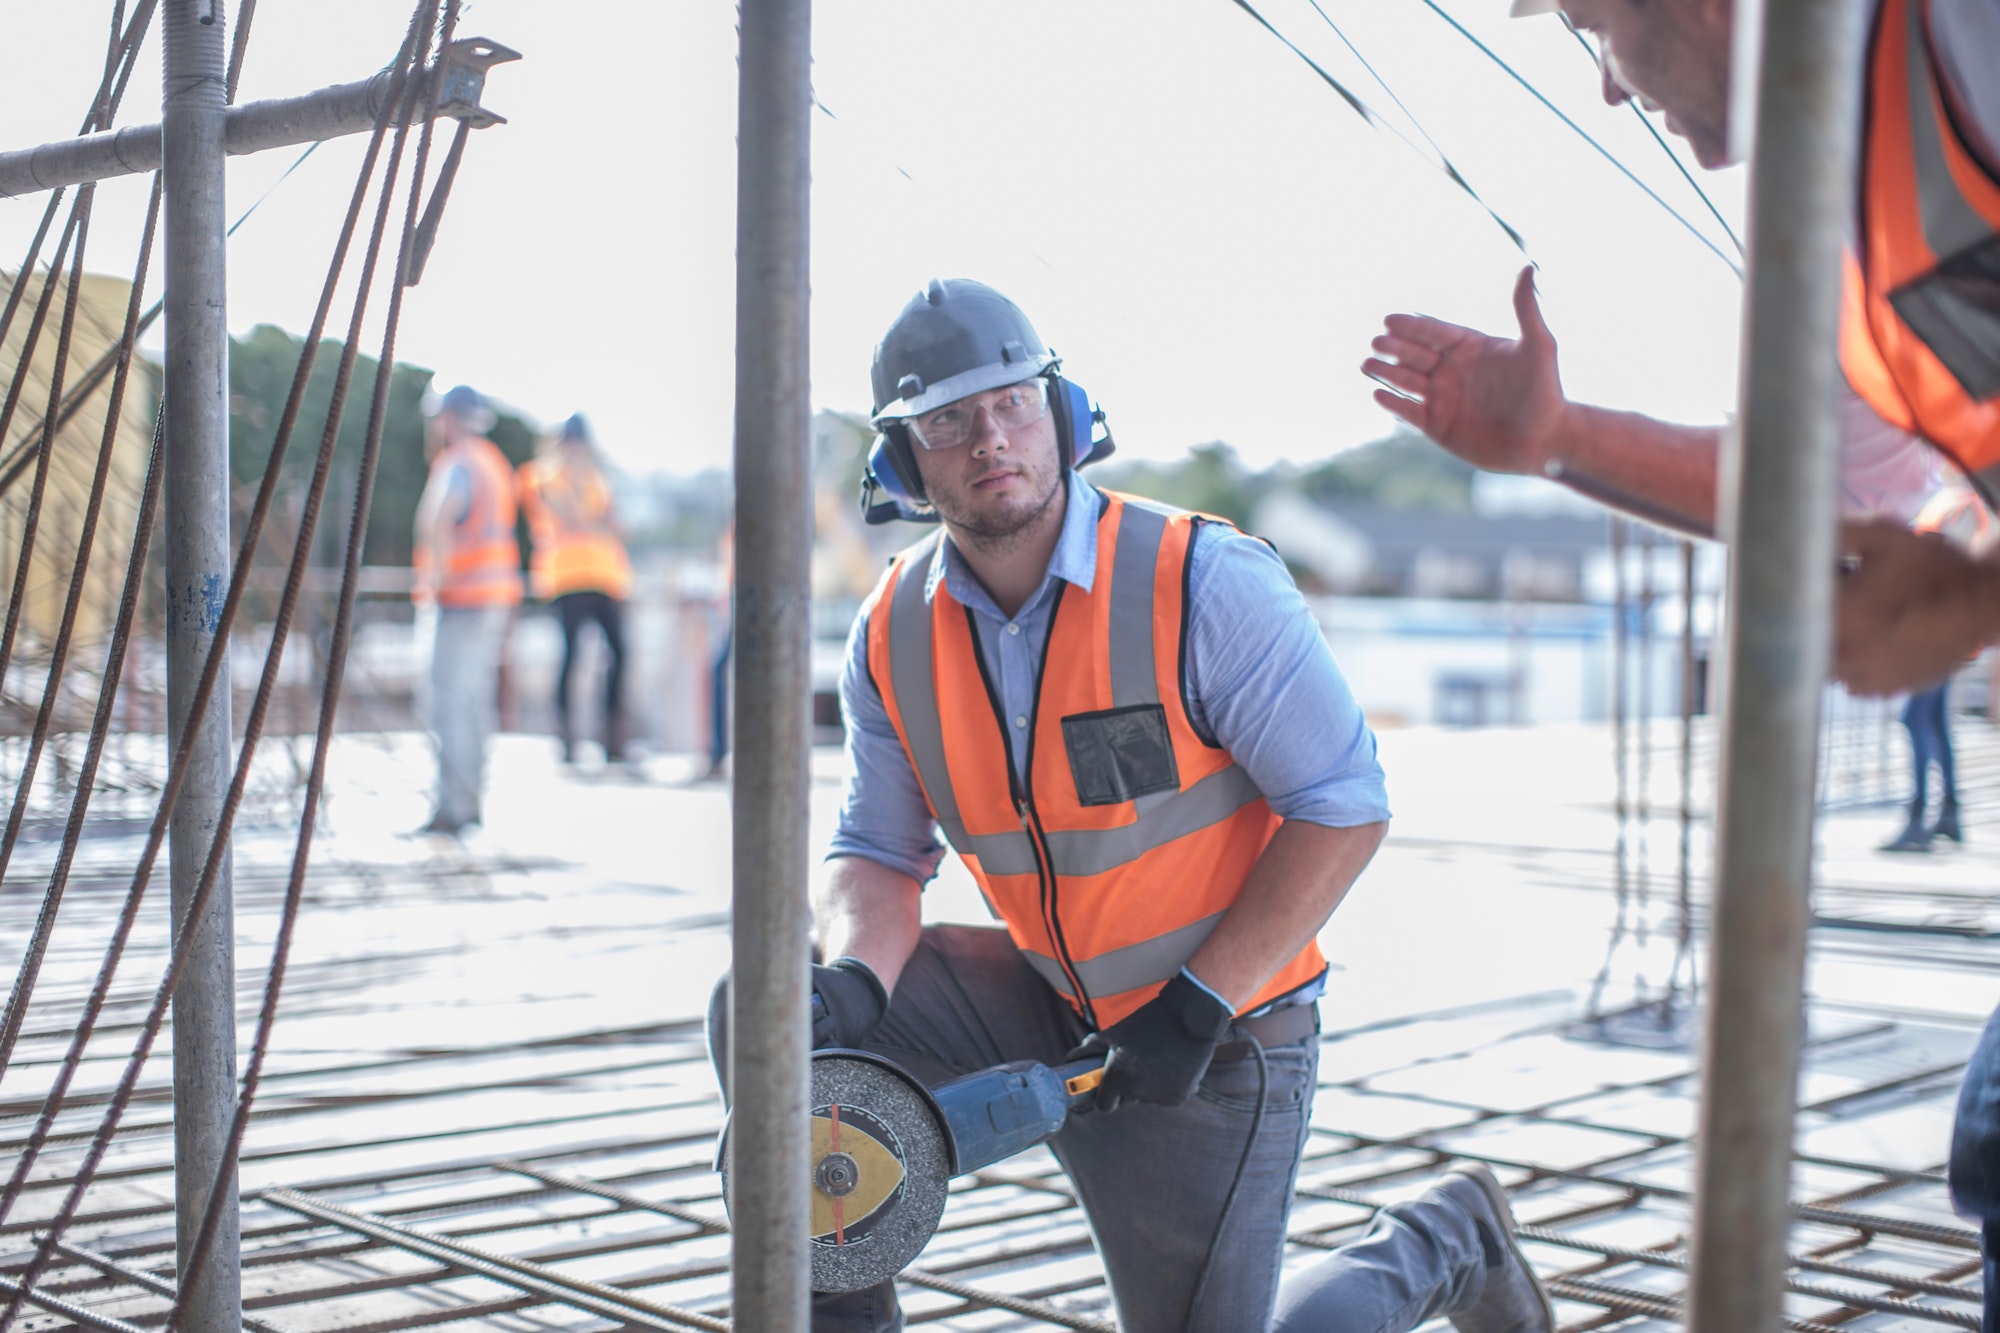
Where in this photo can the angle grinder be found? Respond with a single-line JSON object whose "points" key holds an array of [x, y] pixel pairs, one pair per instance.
{"points": [[885, 1147]]}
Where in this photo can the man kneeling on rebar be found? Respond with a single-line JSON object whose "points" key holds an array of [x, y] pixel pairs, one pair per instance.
{"points": [[1126, 721]]}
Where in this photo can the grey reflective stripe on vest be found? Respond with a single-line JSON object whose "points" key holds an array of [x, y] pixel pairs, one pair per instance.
{"points": [[1210, 801], [910, 669], [1134, 678], [1951, 224], [1141, 964]]}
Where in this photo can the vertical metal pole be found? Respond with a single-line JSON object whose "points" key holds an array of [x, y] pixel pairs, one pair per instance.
{"points": [[774, 528], [197, 530], [1684, 899], [1781, 521]]}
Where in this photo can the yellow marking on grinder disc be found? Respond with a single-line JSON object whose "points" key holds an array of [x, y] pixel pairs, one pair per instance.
{"points": [[877, 1168]]}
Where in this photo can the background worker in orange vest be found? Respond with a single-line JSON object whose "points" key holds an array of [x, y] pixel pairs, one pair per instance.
{"points": [[467, 584], [1920, 347], [579, 566], [1126, 721]]}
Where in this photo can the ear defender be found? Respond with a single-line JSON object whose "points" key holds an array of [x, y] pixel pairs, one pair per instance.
{"points": [[892, 473], [892, 488]]}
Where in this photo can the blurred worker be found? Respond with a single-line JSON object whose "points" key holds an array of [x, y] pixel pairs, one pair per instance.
{"points": [[1919, 342], [468, 582], [723, 632], [1128, 724], [1920, 334], [579, 566], [1957, 514]]}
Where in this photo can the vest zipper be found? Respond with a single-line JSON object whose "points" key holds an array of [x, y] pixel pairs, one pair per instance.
{"points": [[1022, 789]]}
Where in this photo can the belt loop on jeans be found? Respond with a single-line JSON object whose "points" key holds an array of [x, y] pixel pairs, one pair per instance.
{"points": [[1280, 1027]]}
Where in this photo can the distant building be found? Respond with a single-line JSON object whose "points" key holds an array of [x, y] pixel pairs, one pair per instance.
{"points": [[1378, 552]]}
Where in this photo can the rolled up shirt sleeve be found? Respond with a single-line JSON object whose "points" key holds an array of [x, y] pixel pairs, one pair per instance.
{"points": [[883, 815], [1264, 684]]}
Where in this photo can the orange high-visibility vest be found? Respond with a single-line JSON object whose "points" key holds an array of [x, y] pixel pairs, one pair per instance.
{"points": [[1132, 835], [483, 567], [1920, 310], [569, 517]]}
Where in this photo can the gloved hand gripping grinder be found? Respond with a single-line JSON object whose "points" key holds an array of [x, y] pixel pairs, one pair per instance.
{"points": [[884, 1148]]}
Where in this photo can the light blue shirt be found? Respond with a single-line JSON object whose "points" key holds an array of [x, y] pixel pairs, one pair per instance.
{"points": [[1262, 682]]}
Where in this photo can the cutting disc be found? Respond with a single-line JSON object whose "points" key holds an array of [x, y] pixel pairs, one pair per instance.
{"points": [[880, 1166]]}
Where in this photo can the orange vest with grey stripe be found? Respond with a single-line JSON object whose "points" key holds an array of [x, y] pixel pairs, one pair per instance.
{"points": [[483, 563], [1132, 835], [1920, 314]]}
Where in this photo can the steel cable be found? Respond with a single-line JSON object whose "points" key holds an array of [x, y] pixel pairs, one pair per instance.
{"points": [[76, 229], [1375, 120], [25, 976], [72, 603], [103, 106], [1694, 231], [15, 463], [246, 12], [202, 697]]}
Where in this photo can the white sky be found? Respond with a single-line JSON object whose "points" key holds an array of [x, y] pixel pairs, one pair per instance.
{"points": [[1205, 231]]}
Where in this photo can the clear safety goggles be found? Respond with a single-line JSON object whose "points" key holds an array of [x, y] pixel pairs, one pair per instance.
{"points": [[1012, 407]]}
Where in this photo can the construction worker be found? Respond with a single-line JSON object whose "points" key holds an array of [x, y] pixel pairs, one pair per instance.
{"points": [[1127, 723], [467, 584], [580, 567], [1957, 513], [1920, 345], [1929, 209]]}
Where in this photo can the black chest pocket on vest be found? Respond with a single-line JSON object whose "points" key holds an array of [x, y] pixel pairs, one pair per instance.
{"points": [[1955, 309], [1120, 754]]}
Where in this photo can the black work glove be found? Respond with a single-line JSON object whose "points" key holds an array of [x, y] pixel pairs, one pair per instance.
{"points": [[1159, 1052], [848, 1001]]}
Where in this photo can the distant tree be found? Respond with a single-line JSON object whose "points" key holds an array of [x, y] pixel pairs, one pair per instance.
{"points": [[1402, 471], [261, 367], [1210, 479]]}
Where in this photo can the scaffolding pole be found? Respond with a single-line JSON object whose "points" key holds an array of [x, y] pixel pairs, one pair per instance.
{"points": [[330, 113], [768, 1030], [197, 532], [1781, 520]]}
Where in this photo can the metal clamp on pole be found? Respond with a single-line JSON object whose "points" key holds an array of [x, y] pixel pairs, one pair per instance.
{"points": [[330, 113], [462, 80]]}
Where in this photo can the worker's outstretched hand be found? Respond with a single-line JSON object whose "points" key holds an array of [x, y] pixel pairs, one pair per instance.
{"points": [[848, 1001], [1495, 402], [1158, 1053], [1910, 609]]}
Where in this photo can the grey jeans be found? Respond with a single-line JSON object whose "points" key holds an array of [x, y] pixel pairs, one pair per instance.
{"points": [[1151, 1179], [1419, 1259], [463, 703]]}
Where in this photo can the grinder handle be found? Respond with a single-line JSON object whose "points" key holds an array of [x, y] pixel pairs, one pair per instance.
{"points": [[1080, 1079]]}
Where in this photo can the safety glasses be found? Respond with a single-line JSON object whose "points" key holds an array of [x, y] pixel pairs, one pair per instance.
{"points": [[1012, 407]]}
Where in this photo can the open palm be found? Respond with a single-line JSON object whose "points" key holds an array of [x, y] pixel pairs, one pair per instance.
{"points": [[1494, 402]]}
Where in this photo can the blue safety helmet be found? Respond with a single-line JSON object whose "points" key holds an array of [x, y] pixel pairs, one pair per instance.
{"points": [[954, 338]]}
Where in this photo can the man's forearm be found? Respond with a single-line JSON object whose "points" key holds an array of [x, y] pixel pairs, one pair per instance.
{"points": [[1654, 469], [867, 911], [1301, 877]]}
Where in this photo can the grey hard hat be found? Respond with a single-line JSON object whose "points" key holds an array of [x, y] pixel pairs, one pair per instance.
{"points": [[956, 337], [576, 427]]}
